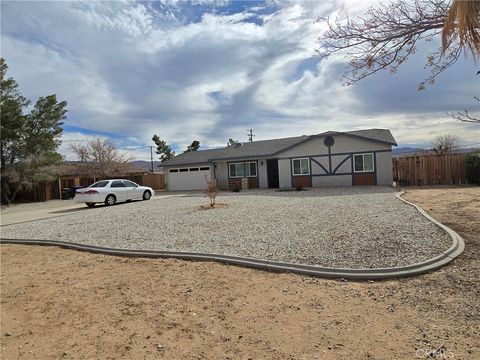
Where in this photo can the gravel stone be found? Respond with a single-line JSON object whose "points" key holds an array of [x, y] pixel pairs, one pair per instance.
{"points": [[357, 227]]}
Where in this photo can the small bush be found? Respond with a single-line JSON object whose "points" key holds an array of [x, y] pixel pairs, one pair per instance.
{"points": [[211, 191], [298, 187], [473, 169], [236, 189]]}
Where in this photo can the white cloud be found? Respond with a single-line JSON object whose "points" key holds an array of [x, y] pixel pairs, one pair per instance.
{"points": [[135, 69]]}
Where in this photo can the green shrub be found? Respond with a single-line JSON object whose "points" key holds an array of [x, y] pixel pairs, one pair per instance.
{"points": [[473, 169]]}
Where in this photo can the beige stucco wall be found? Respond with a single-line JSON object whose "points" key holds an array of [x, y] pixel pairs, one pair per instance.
{"points": [[284, 173], [343, 144], [338, 180], [315, 169], [345, 167], [384, 168]]}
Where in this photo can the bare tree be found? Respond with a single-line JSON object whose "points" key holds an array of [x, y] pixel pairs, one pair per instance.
{"points": [[102, 156], [385, 37], [466, 115], [445, 144], [211, 191]]}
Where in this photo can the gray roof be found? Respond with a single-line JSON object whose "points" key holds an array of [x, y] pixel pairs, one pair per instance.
{"points": [[382, 135], [266, 148]]}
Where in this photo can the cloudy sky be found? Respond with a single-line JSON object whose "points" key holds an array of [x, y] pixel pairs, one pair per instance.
{"points": [[209, 71]]}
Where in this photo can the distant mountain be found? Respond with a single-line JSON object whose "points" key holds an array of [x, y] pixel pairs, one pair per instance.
{"points": [[142, 165], [410, 151], [407, 151]]}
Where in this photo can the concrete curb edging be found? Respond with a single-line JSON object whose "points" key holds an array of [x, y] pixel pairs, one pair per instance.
{"points": [[455, 249]]}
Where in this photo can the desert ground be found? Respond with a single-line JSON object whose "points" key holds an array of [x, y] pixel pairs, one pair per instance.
{"points": [[59, 303]]}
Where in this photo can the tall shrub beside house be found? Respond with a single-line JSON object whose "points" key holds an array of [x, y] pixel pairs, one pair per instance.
{"points": [[473, 169]]}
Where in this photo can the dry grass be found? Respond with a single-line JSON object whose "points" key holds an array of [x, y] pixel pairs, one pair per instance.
{"points": [[66, 304]]}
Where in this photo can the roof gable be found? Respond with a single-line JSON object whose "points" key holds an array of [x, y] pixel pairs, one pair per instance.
{"points": [[264, 148]]}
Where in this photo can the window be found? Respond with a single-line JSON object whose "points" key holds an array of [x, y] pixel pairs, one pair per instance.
{"points": [[183, 170], [204, 168], [193, 169], [99, 184], [117, 184], [236, 170], [174, 170], [240, 169], [251, 169], [363, 163], [129, 183], [301, 166]]}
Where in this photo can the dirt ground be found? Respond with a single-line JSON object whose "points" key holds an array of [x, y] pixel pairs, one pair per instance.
{"points": [[59, 303]]}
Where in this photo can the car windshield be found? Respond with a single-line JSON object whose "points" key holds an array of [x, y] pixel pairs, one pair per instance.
{"points": [[99, 184]]}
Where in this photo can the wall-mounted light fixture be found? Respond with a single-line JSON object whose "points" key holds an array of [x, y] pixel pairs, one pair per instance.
{"points": [[261, 162]]}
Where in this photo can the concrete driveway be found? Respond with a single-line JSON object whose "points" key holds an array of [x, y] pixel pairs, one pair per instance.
{"points": [[19, 213]]}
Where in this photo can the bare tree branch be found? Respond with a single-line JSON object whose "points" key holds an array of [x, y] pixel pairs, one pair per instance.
{"points": [[386, 36], [465, 115], [103, 157], [444, 144]]}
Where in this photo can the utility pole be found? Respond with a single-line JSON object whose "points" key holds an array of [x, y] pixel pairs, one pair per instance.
{"points": [[250, 135], [151, 157]]}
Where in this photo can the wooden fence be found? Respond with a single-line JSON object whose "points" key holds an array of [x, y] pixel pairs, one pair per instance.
{"points": [[40, 191], [430, 170], [155, 180], [49, 190]]}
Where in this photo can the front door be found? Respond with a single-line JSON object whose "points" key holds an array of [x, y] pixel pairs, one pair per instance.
{"points": [[272, 173]]}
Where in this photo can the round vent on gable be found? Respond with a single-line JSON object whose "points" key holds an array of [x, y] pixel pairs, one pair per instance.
{"points": [[329, 141]]}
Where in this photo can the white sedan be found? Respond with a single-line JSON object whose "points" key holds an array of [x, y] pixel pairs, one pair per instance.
{"points": [[112, 191]]}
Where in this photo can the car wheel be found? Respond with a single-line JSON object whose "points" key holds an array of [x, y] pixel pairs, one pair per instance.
{"points": [[90, 204], [110, 200], [146, 195]]}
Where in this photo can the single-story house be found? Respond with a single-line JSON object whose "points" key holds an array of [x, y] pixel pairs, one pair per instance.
{"points": [[333, 158]]}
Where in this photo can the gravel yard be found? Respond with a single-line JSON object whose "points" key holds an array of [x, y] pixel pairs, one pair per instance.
{"points": [[357, 227]]}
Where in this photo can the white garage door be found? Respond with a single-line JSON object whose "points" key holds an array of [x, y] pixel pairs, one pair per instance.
{"points": [[188, 178]]}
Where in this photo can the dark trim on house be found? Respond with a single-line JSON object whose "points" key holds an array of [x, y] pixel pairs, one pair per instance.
{"points": [[341, 163], [335, 154], [329, 159], [293, 145], [323, 167], [350, 156], [339, 174], [332, 133], [248, 158]]}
